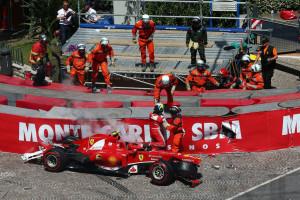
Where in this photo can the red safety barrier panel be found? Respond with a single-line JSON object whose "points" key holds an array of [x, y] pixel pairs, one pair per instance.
{"points": [[149, 103], [53, 86], [180, 93], [127, 92], [3, 100], [259, 131], [39, 102], [229, 103], [224, 90], [278, 98], [105, 104]]}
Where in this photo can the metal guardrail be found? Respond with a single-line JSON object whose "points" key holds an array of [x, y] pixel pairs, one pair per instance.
{"points": [[16, 53]]}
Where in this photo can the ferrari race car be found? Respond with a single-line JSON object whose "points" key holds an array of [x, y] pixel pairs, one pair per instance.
{"points": [[103, 153]]}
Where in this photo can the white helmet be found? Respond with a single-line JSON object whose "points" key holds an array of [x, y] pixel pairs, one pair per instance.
{"points": [[246, 58], [104, 41], [145, 18], [165, 80], [200, 62], [81, 46], [256, 68]]}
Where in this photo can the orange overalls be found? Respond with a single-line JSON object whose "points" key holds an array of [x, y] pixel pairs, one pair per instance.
{"points": [[198, 80], [255, 82], [145, 32], [78, 62], [98, 58], [159, 87], [175, 127], [246, 73], [156, 131]]}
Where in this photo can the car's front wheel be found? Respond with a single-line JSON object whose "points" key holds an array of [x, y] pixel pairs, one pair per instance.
{"points": [[55, 160], [161, 173]]}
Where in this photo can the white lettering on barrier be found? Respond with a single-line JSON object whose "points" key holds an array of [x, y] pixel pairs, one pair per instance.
{"points": [[210, 131], [27, 133], [42, 133], [61, 132], [291, 125]]}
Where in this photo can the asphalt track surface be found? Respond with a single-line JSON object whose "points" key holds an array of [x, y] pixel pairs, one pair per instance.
{"points": [[224, 176]]}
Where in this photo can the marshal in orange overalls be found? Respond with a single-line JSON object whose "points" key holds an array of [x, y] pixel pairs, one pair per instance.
{"points": [[159, 87], [199, 78], [98, 58], [78, 62], [146, 31]]}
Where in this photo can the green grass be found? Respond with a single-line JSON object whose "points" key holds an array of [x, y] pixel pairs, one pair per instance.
{"points": [[24, 46]]}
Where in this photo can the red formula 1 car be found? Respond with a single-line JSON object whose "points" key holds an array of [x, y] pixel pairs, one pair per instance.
{"points": [[105, 153]]}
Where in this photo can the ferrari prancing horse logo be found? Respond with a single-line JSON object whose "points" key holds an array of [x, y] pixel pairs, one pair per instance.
{"points": [[141, 157], [92, 141]]}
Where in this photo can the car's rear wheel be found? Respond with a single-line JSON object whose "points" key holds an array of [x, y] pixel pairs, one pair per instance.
{"points": [[186, 170], [161, 173], [55, 160]]}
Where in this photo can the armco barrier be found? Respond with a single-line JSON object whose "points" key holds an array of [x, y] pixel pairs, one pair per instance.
{"points": [[104, 104], [3, 100], [40, 102], [254, 131]]}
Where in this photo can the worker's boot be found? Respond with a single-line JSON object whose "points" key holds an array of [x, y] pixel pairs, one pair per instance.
{"points": [[109, 89], [152, 67], [144, 67], [94, 88]]}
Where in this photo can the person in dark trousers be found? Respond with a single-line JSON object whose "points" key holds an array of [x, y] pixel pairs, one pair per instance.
{"points": [[196, 39], [268, 56], [64, 16], [40, 61]]}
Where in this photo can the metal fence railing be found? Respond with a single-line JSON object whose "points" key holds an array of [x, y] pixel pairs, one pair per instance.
{"points": [[16, 53]]}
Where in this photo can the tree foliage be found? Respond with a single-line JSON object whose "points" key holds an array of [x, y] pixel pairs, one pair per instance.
{"points": [[41, 15]]}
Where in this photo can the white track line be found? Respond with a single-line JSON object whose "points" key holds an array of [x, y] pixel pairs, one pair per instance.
{"points": [[264, 183]]}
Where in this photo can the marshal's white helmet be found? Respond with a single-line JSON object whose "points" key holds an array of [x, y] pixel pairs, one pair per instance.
{"points": [[145, 18], [256, 68], [246, 58], [165, 80], [81, 47], [200, 63], [104, 41]]}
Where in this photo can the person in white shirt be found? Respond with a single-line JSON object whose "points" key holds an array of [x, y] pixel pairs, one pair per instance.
{"points": [[90, 14], [64, 16]]}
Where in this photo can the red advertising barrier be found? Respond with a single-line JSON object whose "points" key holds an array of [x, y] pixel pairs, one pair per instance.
{"points": [[260, 131], [40, 102], [148, 103], [229, 103]]}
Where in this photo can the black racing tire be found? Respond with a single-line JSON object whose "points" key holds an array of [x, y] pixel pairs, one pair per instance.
{"points": [[55, 160], [186, 170], [161, 173]]}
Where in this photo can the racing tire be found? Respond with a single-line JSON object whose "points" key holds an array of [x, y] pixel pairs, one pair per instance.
{"points": [[161, 173], [55, 160], [186, 170]]}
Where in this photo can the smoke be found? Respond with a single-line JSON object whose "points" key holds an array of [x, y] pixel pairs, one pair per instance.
{"points": [[91, 126]]}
